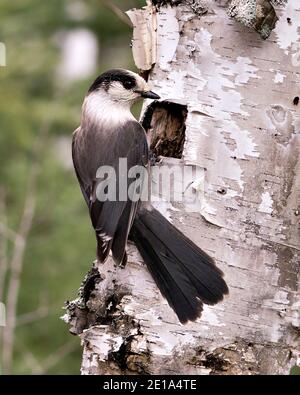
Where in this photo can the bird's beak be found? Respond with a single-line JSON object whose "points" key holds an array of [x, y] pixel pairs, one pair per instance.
{"points": [[148, 95]]}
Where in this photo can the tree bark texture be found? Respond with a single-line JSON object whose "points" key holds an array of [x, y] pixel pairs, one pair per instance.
{"points": [[241, 124]]}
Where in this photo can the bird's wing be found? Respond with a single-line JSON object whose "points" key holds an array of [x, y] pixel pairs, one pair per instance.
{"points": [[93, 148], [76, 157]]}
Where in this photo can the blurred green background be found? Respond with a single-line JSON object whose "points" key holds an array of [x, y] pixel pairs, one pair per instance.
{"points": [[54, 51]]}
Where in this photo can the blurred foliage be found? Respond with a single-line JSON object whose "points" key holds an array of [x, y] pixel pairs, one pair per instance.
{"points": [[61, 245], [295, 371]]}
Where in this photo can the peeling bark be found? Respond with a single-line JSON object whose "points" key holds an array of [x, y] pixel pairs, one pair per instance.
{"points": [[144, 36], [257, 14], [241, 126]]}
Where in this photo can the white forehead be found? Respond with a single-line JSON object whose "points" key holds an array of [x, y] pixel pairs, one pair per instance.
{"points": [[140, 82]]}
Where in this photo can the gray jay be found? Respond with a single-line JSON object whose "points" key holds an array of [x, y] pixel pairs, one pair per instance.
{"points": [[186, 276]]}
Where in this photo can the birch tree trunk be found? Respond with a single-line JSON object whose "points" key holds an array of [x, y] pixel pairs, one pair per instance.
{"points": [[236, 104]]}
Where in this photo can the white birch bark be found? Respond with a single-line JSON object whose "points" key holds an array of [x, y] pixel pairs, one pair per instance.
{"points": [[249, 146]]}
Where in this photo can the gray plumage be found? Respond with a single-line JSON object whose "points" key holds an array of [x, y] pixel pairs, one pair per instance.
{"points": [[95, 146], [186, 276]]}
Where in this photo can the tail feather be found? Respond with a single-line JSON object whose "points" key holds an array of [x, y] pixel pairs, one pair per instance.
{"points": [[172, 282], [186, 276]]}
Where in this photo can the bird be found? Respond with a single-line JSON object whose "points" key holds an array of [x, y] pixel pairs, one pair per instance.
{"points": [[186, 276]]}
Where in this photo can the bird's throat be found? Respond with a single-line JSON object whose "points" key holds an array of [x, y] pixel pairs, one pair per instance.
{"points": [[99, 109]]}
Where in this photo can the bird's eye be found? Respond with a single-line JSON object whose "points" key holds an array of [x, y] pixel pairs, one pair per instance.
{"points": [[128, 84]]}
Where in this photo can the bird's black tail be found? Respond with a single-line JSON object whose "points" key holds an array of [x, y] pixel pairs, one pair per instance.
{"points": [[186, 276]]}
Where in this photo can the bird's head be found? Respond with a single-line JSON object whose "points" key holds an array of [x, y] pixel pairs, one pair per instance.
{"points": [[122, 86]]}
